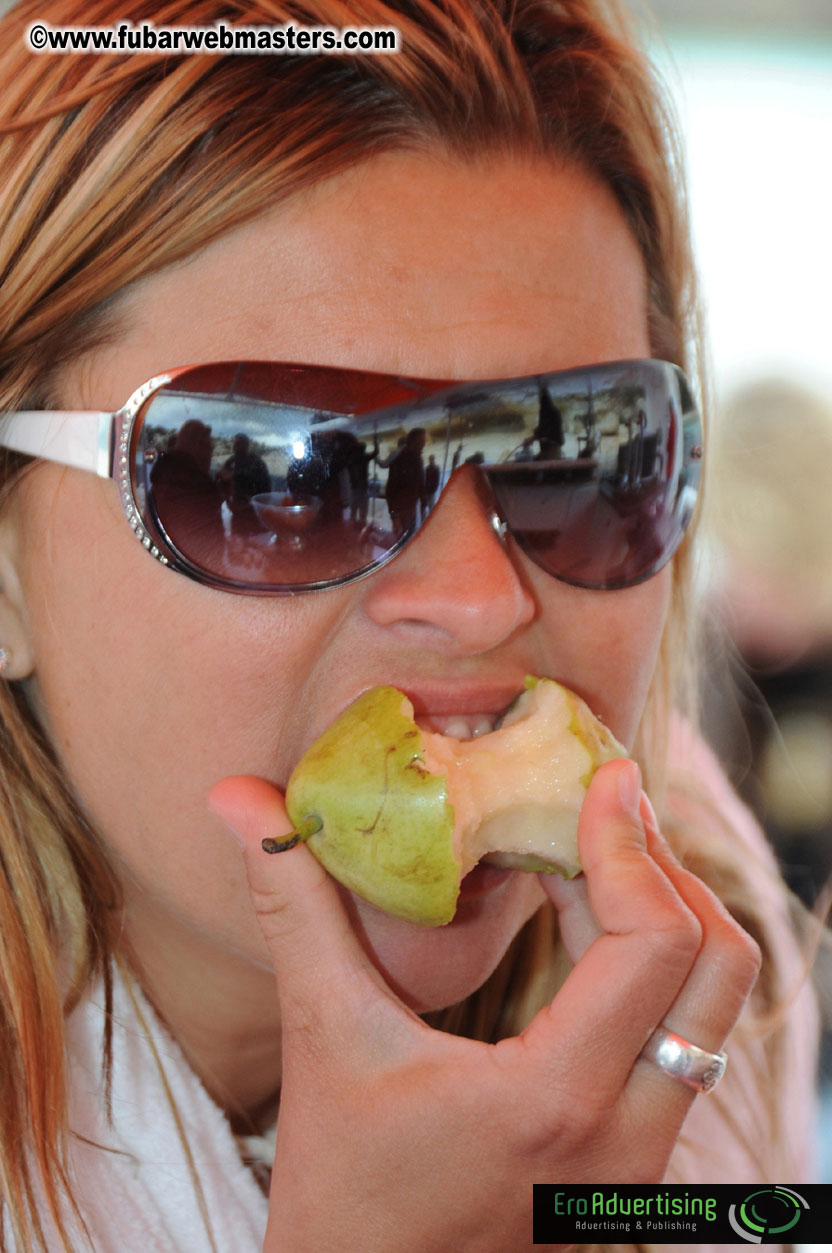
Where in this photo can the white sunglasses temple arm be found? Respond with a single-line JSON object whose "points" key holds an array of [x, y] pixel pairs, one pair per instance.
{"points": [[81, 440]]}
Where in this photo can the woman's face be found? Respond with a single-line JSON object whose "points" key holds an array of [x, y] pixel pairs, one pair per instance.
{"points": [[154, 687]]}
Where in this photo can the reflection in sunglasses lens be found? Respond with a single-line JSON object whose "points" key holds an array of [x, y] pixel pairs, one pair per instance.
{"points": [[274, 477]]}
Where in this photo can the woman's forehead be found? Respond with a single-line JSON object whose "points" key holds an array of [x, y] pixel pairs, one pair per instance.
{"points": [[406, 265]]}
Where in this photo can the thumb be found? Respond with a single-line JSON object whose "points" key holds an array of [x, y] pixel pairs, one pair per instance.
{"points": [[609, 829], [304, 922]]}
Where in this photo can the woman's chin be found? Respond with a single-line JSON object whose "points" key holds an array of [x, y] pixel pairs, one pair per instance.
{"points": [[433, 967]]}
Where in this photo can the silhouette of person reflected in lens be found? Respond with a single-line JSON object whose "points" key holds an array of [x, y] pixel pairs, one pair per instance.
{"points": [[358, 468], [405, 489], [243, 475], [194, 447], [187, 495], [431, 482], [549, 429]]}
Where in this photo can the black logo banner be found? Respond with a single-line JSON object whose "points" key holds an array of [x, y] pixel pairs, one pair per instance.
{"points": [[669, 1214]]}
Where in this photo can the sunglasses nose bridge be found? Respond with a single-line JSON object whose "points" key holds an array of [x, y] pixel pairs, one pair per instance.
{"points": [[478, 478], [489, 501]]}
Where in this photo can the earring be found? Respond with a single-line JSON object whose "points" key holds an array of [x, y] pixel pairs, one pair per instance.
{"points": [[5, 660]]}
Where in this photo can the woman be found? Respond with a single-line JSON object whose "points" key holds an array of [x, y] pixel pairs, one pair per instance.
{"points": [[494, 201]]}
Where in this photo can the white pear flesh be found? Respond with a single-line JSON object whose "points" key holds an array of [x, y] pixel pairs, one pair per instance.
{"points": [[403, 813]]}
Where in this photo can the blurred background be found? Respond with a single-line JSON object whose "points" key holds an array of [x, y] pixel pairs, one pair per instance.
{"points": [[752, 82]]}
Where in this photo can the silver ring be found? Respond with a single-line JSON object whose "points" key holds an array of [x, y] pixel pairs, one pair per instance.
{"points": [[677, 1057]]}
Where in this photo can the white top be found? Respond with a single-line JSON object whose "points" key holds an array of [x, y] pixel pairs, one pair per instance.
{"points": [[140, 1197]]}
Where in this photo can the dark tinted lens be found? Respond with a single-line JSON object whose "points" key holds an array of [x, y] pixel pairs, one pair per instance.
{"points": [[603, 495], [269, 477]]}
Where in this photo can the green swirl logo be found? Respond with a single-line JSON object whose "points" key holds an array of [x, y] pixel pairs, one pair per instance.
{"points": [[768, 1212]]}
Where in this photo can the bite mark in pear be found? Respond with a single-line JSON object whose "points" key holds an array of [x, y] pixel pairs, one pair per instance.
{"points": [[399, 815]]}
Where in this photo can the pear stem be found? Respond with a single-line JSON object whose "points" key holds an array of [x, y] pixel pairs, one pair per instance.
{"points": [[310, 826]]}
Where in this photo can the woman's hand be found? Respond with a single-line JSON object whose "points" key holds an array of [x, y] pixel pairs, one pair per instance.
{"points": [[393, 1136]]}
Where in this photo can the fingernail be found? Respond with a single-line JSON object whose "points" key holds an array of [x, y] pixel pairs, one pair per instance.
{"points": [[648, 813], [629, 789]]}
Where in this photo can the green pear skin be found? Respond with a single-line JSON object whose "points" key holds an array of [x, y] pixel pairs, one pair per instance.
{"points": [[387, 830]]}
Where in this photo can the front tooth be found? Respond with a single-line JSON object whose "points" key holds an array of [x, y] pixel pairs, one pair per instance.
{"points": [[461, 728]]}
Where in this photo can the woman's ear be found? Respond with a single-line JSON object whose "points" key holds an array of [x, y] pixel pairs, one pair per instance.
{"points": [[17, 658]]}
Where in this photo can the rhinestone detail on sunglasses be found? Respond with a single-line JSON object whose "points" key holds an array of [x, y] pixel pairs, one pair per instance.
{"points": [[121, 461]]}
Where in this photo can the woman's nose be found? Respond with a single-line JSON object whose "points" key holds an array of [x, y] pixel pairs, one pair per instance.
{"points": [[453, 588]]}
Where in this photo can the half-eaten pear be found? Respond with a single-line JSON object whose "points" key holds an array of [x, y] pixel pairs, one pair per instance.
{"points": [[399, 815]]}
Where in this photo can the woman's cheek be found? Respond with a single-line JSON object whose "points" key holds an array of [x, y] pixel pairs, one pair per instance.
{"points": [[605, 644]]}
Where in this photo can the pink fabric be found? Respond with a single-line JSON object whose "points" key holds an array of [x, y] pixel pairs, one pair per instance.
{"points": [[714, 1149]]}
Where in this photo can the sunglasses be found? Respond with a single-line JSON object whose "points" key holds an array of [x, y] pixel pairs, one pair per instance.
{"points": [[270, 479]]}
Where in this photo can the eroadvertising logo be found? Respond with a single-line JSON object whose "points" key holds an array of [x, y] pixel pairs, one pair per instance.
{"points": [[667, 1214], [767, 1214]]}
